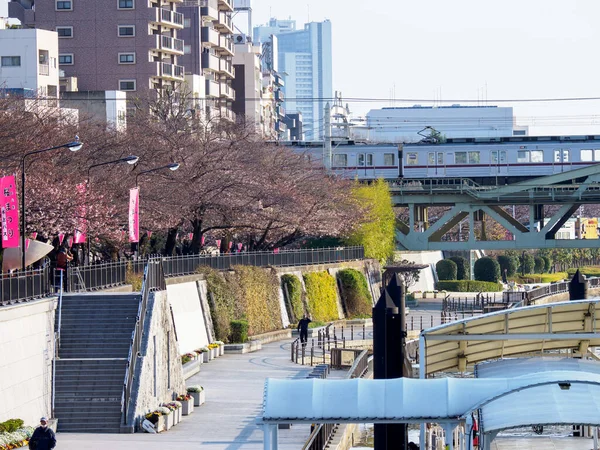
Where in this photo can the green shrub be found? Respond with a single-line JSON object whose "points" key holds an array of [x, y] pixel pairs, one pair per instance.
{"points": [[134, 279], [508, 265], [11, 425], [257, 298], [321, 293], [221, 298], [588, 271], [355, 293], [239, 331], [527, 263], [487, 269], [547, 264], [539, 264], [292, 287], [468, 286], [541, 278], [463, 270], [446, 269]]}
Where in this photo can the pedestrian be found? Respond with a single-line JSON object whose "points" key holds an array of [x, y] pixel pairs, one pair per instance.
{"points": [[63, 257], [43, 438], [303, 328]]}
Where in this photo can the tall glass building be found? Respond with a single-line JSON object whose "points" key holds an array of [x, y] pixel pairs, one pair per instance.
{"points": [[305, 55]]}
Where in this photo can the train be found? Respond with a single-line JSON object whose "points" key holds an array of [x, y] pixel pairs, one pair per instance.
{"points": [[486, 161]]}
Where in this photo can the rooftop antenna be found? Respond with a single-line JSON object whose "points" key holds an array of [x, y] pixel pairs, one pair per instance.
{"points": [[308, 11]]}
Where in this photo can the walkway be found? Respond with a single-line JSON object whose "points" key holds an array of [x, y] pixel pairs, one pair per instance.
{"points": [[234, 387]]}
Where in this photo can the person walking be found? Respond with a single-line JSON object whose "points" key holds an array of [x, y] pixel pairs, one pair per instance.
{"points": [[303, 328], [43, 438]]}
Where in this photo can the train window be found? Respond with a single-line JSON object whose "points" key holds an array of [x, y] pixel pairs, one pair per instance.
{"points": [[522, 156], [537, 156], [460, 157], [361, 159], [440, 159], [340, 160], [370, 159], [597, 155], [587, 155], [412, 159], [503, 157], [565, 155], [431, 159], [556, 156], [474, 157], [494, 157], [389, 159]]}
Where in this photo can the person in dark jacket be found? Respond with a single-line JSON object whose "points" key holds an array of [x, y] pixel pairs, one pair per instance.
{"points": [[43, 438], [303, 329]]}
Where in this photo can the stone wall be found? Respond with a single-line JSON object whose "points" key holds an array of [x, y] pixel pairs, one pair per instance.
{"points": [[159, 374], [188, 315], [26, 353]]}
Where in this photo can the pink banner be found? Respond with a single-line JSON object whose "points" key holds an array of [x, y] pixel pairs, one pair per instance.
{"points": [[34, 235], [240, 245], [149, 233], [9, 212], [275, 250], [190, 236], [218, 242], [81, 229], [134, 215], [27, 242], [79, 237], [202, 241], [61, 238], [70, 241]]}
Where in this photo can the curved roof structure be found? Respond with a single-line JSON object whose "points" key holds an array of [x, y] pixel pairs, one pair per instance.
{"points": [[456, 346]]}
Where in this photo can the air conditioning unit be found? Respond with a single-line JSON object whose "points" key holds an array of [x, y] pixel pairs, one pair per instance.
{"points": [[240, 38]]}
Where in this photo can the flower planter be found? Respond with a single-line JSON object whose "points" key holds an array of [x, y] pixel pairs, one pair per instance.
{"points": [[199, 397], [175, 415], [221, 349], [179, 412], [211, 354], [206, 357], [187, 406], [170, 419], [161, 425]]}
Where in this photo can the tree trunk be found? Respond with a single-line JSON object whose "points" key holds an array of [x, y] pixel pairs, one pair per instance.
{"points": [[196, 243], [171, 242]]}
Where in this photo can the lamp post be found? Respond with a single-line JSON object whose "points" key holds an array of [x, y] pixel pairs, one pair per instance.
{"points": [[172, 167], [73, 146], [131, 159]]}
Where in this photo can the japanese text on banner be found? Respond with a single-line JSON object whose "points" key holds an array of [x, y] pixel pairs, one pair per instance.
{"points": [[10, 212], [134, 215]]}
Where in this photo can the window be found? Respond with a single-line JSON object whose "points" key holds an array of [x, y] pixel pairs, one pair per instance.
{"points": [[64, 32], [126, 58], [11, 61], [65, 59], [64, 5], [361, 159], [503, 157], [587, 155], [565, 154], [187, 49], [460, 157], [494, 157], [556, 156], [126, 30], [340, 160], [522, 156], [431, 159], [127, 85], [370, 159], [389, 159], [126, 4], [537, 156], [474, 157], [412, 159], [440, 159], [187, 23]]}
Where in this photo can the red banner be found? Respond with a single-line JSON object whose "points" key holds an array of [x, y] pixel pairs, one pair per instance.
{"points": [[81, 229], [149, 233], [10, 212], [134, 215], [61, 238]]}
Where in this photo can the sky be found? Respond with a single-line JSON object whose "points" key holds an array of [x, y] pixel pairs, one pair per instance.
{"points": [[444, 52]]}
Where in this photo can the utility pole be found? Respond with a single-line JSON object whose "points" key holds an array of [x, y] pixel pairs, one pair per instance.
{"points": [[327, 156]]}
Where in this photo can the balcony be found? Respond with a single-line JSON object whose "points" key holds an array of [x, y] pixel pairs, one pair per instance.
{"points": [[227, 92], [209, 10], [26, 15], [279, 80], [168, 18], [226, 5], [227, 114], [44, 69], [170, 71], [226, 68], [224, 24], [209, 37], [279, 95], [280, 126], [210, 62], [167, 44], [212, 89], [225, 45]]}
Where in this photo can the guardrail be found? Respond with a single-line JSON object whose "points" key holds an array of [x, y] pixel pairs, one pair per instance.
{"points": [[21, 287]]}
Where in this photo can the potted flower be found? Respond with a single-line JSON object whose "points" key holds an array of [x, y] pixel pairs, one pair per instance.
{"points": [[157, 419], [214, 350], [197, 392], [187, 402], [205, 354], [187, 358], [173, 408], [198, 353], [168, 417], [221, 345]]}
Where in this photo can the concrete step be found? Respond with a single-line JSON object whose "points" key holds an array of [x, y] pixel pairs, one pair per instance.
{"points": [[88, 404]]}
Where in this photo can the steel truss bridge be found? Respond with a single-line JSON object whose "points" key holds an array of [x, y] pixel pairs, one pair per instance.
{"points": [[567, 191]]}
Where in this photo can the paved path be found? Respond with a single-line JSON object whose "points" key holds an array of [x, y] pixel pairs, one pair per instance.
{"points": [[542, 443], [234, 387]]}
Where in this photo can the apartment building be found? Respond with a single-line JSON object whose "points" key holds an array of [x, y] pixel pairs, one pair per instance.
{"points": [[127, 45], [29, 62], [209, 50]]}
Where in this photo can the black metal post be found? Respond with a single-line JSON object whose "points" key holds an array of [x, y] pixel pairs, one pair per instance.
{"points": [[388, 353], [578, 287]]}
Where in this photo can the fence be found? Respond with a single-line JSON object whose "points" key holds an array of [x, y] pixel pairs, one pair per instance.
{"points": [[23, 287], [481, 303]]}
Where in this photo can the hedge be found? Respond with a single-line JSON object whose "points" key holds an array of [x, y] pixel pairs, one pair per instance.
{"points": [[588, 271], [446, 269], [508, 265], [527, 263], [487, 269], [539, 264], [468, 286], [355, 293], [547, 264], [292, 287], [321, 292], [221, 298], [239, 331], [463, 270]]}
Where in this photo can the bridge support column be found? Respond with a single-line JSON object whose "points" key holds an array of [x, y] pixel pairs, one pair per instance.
{"points": [[270, 436]]}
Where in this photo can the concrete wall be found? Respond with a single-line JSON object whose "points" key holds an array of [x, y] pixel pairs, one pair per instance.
{"points": [[427, 276], [159, 374], [26, 352]]}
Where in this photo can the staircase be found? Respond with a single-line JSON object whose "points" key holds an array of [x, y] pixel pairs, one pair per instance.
{"points": [[95, 338]]}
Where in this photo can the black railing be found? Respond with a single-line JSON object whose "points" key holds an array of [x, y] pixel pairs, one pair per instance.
{"points": [[19, 287]]}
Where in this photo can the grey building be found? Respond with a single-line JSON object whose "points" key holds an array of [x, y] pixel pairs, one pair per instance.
{"points": [[108, 45], [293, 123], [209, 50]]}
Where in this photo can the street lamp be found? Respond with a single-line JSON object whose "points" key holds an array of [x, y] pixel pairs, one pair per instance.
{"points": [[73, 146], [172, 167]]}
